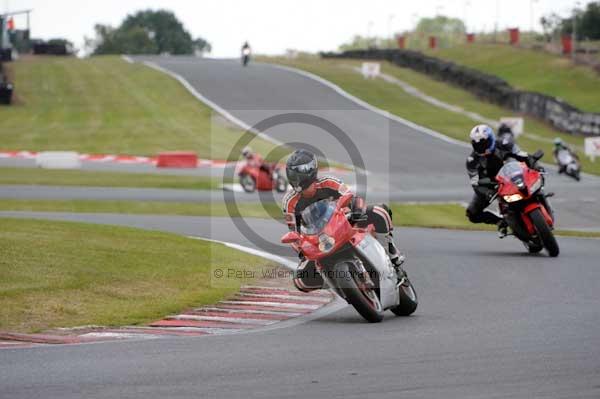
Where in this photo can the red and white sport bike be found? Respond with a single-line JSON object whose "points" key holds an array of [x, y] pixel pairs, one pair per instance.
{"points": [[524, 205], [351, 261], [254, 178]]}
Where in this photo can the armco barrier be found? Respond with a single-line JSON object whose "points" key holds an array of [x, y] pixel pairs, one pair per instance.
{"points": [[177, 159], [561, 115], [58, 160]]}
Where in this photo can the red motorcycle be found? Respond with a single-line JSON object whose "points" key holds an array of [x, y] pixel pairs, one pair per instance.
{"points": [[524, 205], [261, 178], [351, 261]]}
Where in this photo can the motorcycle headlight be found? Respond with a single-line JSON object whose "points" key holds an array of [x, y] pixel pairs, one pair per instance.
{"points": [[536, 186], [326, 243], [513, 197]]}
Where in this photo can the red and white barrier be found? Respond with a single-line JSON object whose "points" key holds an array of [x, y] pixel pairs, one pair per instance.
{"points": [[58, 160], [134, 159], [112, 158], [177, 159]]}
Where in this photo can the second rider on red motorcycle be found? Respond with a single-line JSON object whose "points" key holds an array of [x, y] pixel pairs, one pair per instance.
{"points": [[486, 159], [301, 169], [255, 160]]}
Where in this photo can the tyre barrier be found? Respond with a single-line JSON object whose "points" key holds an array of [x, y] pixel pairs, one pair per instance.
{"points": [[6, 88], [58, 160], [177, 159], [563, 116]]}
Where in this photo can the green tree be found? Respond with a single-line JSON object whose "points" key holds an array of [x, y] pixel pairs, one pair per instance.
{"points": [[587, 22], [448, 31], [147, 32]]}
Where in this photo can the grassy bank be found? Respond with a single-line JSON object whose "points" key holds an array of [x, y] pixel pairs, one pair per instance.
{"points": [[142, 207], [105, 105], [447, 216], [392, 98], [32, 176], [531, 70], [51, 277]]}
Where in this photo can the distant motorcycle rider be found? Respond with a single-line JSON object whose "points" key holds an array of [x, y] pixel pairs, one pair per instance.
{"points": [[506, 139], [485, 161], [245, 53], [301, 169], [559, 145], [255, 160]]}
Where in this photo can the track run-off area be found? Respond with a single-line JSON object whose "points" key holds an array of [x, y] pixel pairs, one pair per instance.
{"points": [[493, 321]]}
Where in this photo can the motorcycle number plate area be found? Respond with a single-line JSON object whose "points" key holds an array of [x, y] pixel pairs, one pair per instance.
{"points": [[371, 250]]}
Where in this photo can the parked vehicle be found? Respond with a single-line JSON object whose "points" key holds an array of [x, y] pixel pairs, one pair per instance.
{"points": [[262, 178], [524, 205], [351, 261]]}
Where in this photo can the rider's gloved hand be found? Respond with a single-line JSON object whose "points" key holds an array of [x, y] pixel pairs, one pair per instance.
{"points": [[486, 192], [358, 210]]}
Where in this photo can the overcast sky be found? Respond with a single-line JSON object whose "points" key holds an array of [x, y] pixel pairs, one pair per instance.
{"points": [[272, 26]]}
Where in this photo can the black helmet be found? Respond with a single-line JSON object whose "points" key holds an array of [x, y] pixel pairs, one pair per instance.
{"points": [[504, 128], [506, 141], [301, 169]]}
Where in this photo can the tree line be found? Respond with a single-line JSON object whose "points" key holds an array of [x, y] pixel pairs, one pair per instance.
{"points": [[146, 32]]}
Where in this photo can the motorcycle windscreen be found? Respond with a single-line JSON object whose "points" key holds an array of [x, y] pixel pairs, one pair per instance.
{"points": [[512, 172], [564, 157], [316, 216]]}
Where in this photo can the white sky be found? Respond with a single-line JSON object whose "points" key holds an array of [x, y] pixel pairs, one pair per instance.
{"points": [[272, 26]]}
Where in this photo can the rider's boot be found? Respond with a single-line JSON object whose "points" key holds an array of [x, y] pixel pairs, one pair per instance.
{"points": [[502, 228], [396, 257]]}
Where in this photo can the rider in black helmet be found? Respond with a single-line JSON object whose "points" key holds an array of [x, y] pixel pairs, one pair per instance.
{"points": [[301, 169]]}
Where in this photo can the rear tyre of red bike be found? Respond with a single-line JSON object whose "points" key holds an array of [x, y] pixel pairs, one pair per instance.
{"points": [[408, 299]]}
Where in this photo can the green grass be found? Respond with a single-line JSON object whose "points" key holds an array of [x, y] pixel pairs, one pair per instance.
{"points": [[393, 99], [105, 105], [142, 207], [446, 216], [531, 70], [31, 176], [51, 277]]}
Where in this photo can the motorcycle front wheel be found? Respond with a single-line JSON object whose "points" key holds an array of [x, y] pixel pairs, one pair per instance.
{"points": [[247, 183], [544, 232], [358, 294]]}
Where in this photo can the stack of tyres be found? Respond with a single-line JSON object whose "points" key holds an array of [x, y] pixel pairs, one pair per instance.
{"points": [[6, 89]]}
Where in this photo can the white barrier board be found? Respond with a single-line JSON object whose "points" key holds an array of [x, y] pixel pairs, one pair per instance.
{"points": [[58, 160], [592, 147], [370, 70], [516, 124]]}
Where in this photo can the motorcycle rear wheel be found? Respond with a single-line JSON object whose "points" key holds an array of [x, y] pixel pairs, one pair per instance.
{"points": [[408, 299], [364, 300], [533, 248], [544, 232]]}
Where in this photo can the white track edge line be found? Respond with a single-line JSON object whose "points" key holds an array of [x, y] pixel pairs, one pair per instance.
{"points": [[227, 115], [263, 254], [370, 107]]}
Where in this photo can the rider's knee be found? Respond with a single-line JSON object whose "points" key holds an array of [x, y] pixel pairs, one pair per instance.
{"points": [[474, 217]]}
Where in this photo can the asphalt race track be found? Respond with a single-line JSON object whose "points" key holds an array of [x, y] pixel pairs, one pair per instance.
{"points": [[398, 156], [492, 322]]}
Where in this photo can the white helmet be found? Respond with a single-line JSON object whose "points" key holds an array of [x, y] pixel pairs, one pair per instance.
{"points": [[483, 139], [246, 151]]}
